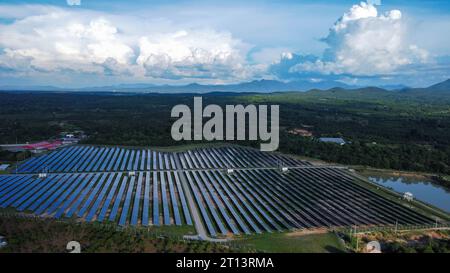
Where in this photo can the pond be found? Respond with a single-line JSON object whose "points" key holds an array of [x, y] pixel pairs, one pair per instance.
{"points": [[421, 189]]}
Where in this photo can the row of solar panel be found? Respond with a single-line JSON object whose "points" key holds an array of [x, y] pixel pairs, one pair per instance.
{"points": [[100, 159], [266, 200], [100, 197]]}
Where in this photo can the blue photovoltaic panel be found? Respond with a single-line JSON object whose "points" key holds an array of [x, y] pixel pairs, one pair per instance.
{"points": [[82, 196], [199, 201], [235, 201], [118, 200], [229, 206], [136, 162], [15, 185], [161, 162], [125, 158], [39, 192], [91, 197], [130, 162], [88, 159], [188, 160], [64, 164], [113, 160], [66, 193], [29, 162], [219, 203], [164, 199], [55, 166], [10, 180], [142, 168], [268, 209], [19, 192], [187, 215], [101, 159], [155, 199], [255, 215], [99, 199], [173, 198], [62, 155], [76, 164], [109, 198], [137, 199], [26, 192], [46, 193], [96, 161], [210, 205], [166, 161], [85, 180], [155, 161], [107, 159], [146, 199], [148, 160], [119, 159], [126, 205], [51, 199]]}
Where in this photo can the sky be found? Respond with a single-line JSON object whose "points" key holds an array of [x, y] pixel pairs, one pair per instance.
{"points": [[80, 43]]}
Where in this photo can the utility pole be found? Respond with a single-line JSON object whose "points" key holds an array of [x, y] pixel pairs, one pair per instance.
{"points": [[396, 226]]}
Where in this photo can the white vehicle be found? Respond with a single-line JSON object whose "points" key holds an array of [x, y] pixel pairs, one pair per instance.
{"points": [[3, 242]]}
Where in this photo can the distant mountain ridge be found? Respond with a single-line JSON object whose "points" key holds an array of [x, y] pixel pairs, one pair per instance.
{"points": [[260, 86], [256, 86]]}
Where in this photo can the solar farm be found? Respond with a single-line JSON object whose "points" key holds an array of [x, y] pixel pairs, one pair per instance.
{"points": [[229, 190]]}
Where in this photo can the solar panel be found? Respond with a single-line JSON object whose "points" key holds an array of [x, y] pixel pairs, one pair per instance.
{"points": [[91, 197], [63, 208], [62, 198], [118, 200], [199, 201], [109, 198], [145, 208], [173, 198], [84, 193], [155, 199], [126, 205], [137, 198]]}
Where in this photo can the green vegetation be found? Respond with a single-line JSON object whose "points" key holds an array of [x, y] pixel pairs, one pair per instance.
{"points": [[38, 235], [429, 241], [392, 130], [292, 243]]}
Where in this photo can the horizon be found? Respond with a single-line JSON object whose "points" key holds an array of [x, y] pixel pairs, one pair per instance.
{"points": [[77, 44]]}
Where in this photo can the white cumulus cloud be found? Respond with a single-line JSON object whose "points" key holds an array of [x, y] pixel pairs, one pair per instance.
{"points": [[363, 43], [55, 40]]}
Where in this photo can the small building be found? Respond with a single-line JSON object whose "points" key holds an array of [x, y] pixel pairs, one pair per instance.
{"points": [[336, 140], [230, 171], [408, 196], [131, 173], [4, 167], [284, 169], [300, 132]]}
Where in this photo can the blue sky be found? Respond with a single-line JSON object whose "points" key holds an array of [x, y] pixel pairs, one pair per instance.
{"points": [[91, 43]]}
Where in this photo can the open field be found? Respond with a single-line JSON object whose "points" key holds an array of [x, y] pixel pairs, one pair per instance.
{"points": [[292, 243]]}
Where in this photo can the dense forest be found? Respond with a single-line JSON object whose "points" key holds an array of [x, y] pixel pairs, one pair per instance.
{"points": [[384, 129]]}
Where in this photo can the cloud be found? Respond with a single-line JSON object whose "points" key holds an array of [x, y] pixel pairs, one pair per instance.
{"points": [[56, 39], [74, 2], [362, 43]]}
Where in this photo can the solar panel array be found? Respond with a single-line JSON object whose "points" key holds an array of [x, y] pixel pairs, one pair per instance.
{"points": [[101, 159], [94, 184], [266, 200], [99, 196]]}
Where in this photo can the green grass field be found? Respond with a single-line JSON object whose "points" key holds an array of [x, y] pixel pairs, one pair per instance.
{"points": [[286, 243]]}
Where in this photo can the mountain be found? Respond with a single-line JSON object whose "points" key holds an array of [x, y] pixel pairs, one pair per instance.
{"points": [[441, 89], [261, 86]]}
